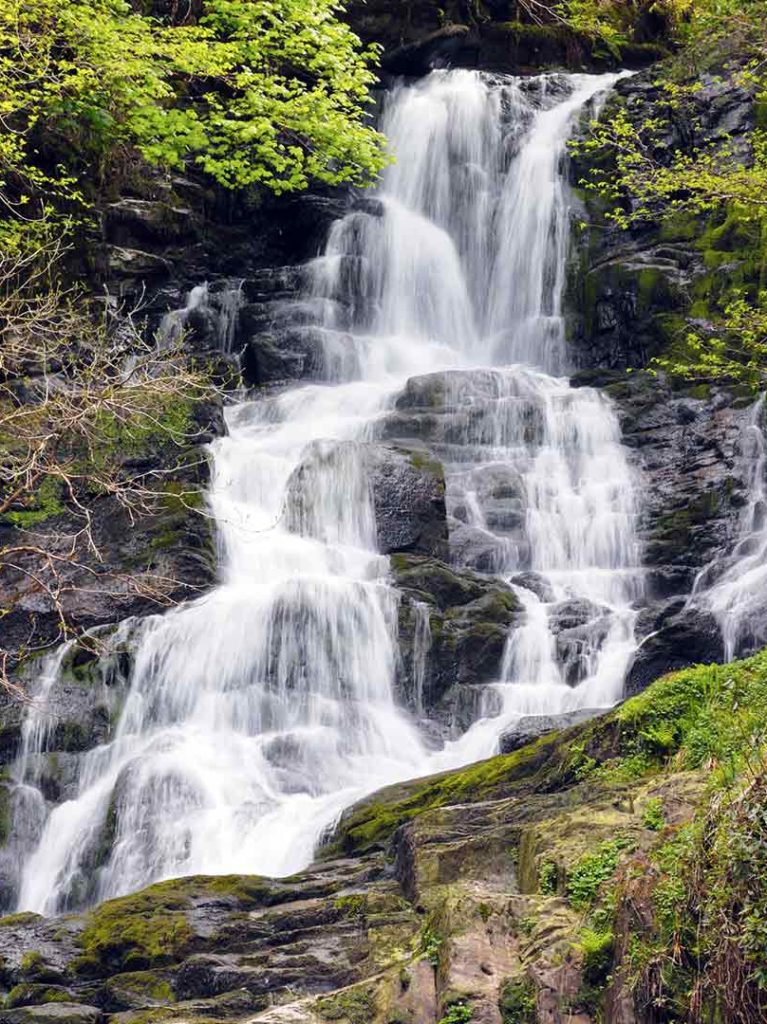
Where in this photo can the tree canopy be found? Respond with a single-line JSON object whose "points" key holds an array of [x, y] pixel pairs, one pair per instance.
{"points": [[266, 92]]}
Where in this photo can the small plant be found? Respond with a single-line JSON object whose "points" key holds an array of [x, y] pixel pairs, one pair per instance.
{"points": [[430, 945], [653, 816], [518, 1003], [598, 950], [458, 1013], [548, 875], [527, 925], [592, 870]]}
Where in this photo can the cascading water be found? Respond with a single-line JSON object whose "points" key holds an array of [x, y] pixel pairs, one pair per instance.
{"points": [[255, 715], [733, 587]]}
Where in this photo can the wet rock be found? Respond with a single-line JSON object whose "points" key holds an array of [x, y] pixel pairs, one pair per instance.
{"points": [[131, 221], [469, 618], [532, 727], [52, 1013], [409, 501], [687, 447], [535, 583], [303, 352], [404, 488], [689, 637]]}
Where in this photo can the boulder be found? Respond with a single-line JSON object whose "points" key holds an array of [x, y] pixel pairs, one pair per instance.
{"points": [[52, 1013], [454, 625], [532, 727], [405, 487], [689, 637]]}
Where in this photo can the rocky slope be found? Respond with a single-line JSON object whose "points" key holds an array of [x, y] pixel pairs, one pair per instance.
{"points": [[516, 891]]}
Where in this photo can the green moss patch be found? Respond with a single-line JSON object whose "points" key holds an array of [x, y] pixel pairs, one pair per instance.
{"points": [[693, 716]]}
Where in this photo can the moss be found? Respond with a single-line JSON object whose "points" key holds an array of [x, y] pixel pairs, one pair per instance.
{"points": [[422, 460], [680, 226], [24, 917], [43, 503], [351, 906], [147, 929], [688, 711], [371, 823], [353, 1005], [142, 986], [5, 813], [28, 994]]}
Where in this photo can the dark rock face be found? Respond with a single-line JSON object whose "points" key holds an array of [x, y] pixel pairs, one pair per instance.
{"points": [[404, 486], [143, 564], [631, 292], [687, 445], [680, 639], [409, 501], [492, 35]]}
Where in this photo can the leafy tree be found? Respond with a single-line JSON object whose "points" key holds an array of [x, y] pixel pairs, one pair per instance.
{"points": [[265, 92]]}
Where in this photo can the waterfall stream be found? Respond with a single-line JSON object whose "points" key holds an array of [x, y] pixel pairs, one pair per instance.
{"points": [[732, 586], [256, 714]]}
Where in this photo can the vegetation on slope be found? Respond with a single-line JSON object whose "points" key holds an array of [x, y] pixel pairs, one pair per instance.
{"points": [[717, 189], [657, 859]]}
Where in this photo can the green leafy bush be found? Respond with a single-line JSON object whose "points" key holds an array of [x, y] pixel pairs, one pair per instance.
{"points": [[257, 92], [593, 869]]}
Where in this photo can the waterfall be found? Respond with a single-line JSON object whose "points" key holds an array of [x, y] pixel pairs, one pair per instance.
{"points": [[257, 713], [733, 587]]}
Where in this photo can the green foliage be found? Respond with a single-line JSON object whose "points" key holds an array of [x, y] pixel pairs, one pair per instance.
{"points": [[653, 816], [459, 1012], [638, 177], [354, 905], [430, 945], [33, 995], [593, 870], [354, 1005], [44, 502], [548, 876], [597, 949], [258, 92], [518, 1003]]}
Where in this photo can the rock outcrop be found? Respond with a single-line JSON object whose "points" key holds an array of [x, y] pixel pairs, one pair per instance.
{"points": [[480, 892]]}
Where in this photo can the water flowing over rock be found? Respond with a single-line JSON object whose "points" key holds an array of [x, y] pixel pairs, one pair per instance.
{"points": [[432, 399]]}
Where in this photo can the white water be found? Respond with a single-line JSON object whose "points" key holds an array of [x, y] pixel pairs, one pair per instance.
{"points": [[257, 714], [734, 588]]}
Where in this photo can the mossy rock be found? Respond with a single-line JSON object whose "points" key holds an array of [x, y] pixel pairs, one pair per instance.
{"points": [[27, 994], [355, 1005], [137, 990], [684, 714], [52, 1013]]}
